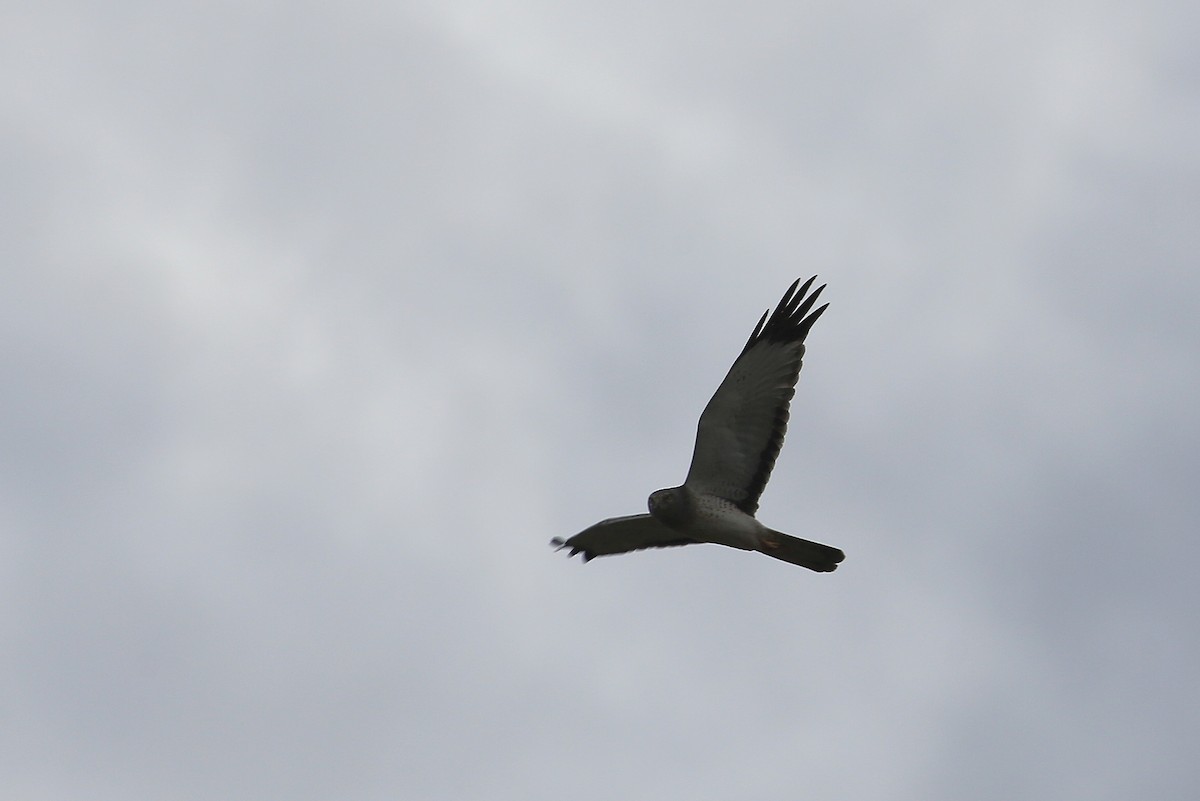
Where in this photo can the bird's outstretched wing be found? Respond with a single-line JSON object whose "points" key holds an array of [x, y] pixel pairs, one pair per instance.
{"points": [[742, 428], [621, 535]]}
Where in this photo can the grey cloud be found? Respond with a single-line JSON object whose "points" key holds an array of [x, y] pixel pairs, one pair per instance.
{"points": [[318, 324]]}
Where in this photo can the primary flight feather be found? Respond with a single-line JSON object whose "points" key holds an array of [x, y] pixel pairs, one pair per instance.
{"points": [[737, 442]]}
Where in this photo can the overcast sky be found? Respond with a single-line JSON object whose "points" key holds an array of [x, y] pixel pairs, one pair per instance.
{"points": [[320, 320]]}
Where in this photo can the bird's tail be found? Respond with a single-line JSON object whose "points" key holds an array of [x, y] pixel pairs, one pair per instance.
{"points": [[813, 555]]}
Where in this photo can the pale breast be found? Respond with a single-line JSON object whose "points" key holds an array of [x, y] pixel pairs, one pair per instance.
{"points": [[717, 520]]}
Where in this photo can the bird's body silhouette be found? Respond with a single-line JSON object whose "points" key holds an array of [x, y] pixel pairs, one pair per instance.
{"points": [[737, 442]]}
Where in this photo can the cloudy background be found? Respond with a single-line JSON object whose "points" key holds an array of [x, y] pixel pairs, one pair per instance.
{"points": [[320, 320]]}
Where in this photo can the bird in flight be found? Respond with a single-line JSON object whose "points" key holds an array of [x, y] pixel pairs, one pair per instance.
{"points": [[737, 441]]}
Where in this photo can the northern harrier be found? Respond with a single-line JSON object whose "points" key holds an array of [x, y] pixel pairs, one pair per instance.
{"points": [[740, 434]]}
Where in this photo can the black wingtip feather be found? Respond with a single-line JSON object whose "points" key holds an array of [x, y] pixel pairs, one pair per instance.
{"points": [[558, 543], [757, 330], [791, 321]]}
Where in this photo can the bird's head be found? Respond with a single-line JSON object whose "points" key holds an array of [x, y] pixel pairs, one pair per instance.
{"points": [[666, 504]]}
